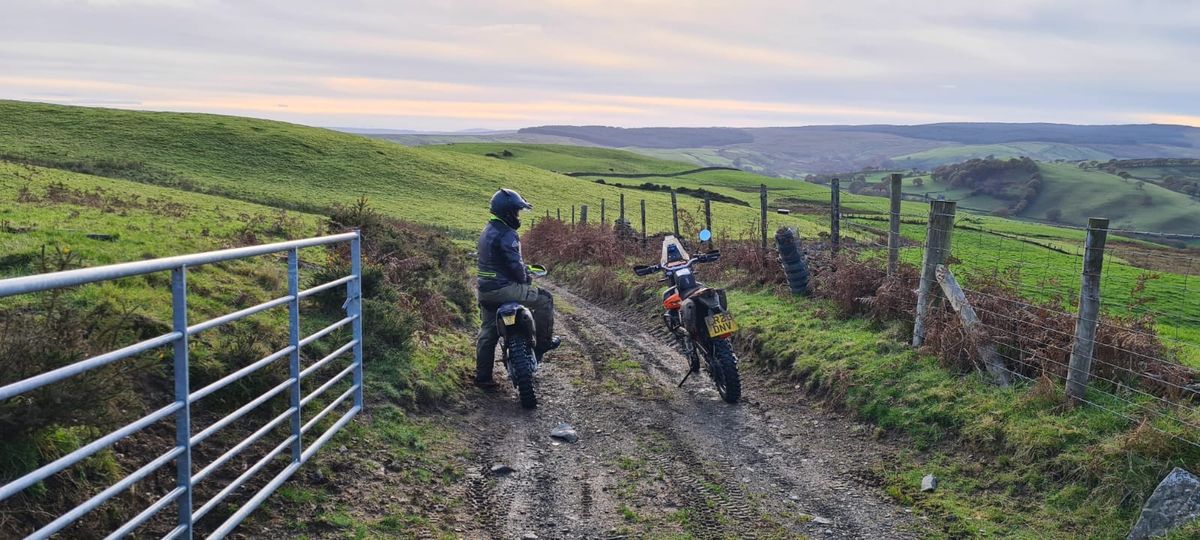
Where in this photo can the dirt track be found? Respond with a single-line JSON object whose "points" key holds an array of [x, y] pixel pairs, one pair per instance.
{"points": [[654, 460]]}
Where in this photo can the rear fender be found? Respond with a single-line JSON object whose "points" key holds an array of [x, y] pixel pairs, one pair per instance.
{"points": [[699, 305], [523, 326]]}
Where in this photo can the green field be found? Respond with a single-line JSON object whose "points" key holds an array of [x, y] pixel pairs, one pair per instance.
{"points": [[1039, 151], [566, 159], [301, 167], [1046, 259], [165, 183], [1080, 194]]}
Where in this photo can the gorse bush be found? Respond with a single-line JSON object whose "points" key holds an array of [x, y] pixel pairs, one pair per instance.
{"points": [[420, 264], [415, 282]]}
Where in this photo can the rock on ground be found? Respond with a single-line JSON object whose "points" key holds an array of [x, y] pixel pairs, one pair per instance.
{"points": [[1174, 503]]}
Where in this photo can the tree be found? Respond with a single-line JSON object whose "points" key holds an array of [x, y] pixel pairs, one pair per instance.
{"points": [[1054, 215], [918, 181]]}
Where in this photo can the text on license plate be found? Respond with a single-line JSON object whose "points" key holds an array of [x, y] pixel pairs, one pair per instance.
{"points": [[510, 319], [720, 323]]}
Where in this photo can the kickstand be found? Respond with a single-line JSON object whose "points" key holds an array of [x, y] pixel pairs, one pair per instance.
{"points": [[685, 378]]}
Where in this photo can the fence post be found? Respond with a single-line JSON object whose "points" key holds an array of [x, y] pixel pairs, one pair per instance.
{"points": [[1089, 310], [183, 418], [762, 197], [558, 213], [894, 226], [355, 290], [937, 246], [622, 218], [572, 214], [675, 213], [835, 216], [294, 342], [583, 214], [643, 221], [707, 211], [602, 220]]}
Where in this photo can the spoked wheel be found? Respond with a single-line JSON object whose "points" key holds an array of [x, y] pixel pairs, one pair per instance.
{"points": [[724, 371], [521, 357]]}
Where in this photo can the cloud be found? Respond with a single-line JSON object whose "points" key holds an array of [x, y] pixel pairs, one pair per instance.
{"points": [[452, 65], [1178, 119]]}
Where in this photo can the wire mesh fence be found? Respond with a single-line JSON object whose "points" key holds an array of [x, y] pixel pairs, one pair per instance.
{"points": [[1122, 336], [1135, 353]]}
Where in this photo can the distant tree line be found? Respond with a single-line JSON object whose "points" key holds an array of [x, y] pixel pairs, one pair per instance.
{"points": [[1015, 180]]}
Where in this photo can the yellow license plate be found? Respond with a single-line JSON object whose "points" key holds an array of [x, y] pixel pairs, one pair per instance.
{"points": [[509, 319], [720, 323]]}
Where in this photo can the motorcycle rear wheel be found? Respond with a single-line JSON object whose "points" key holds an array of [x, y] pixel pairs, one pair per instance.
{"points": [[521, 357], [724, 371]]}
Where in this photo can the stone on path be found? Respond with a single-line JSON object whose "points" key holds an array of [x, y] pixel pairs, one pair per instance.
{"points": [[929, 483], [565, 432], [502, 469]]}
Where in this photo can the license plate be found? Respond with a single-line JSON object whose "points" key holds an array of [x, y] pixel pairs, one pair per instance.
{"points": [[509, 319], [720, 323]]}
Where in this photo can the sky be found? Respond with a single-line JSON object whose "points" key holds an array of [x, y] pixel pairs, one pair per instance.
{"points": [[452, 65]]}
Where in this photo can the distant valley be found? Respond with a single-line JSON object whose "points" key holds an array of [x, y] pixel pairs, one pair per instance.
{"points": [[794, 152]]}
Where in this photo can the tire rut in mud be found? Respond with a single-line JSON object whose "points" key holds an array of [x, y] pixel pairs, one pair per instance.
{"points": [[654, 458]]}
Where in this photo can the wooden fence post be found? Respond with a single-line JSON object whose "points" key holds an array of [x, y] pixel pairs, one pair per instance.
{"points": [[937, 247], [835, 216], [707, 211], [893, 264], [974, 327], [622, 218], [602, 220], [762, 198], [643, 221], [583, 214], [675, 213], [572, 214], [1089, 310], [558, 213]]}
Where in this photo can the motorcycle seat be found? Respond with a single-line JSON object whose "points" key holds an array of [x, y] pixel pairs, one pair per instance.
{"points": [[508, 308]]}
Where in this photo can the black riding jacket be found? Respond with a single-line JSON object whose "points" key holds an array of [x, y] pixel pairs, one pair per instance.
{"points": [[499, 257]]}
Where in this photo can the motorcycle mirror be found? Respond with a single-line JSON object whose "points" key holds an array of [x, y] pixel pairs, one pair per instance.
{"points": [[537, 270], [705, 235]]}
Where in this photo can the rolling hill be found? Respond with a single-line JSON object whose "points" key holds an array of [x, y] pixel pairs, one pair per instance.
{"points": [[796, 151], [300, 167]]}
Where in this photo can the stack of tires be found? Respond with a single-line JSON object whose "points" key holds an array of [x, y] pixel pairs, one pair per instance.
{"points": [[791, 256]]}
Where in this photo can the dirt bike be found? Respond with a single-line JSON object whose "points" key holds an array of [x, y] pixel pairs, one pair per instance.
{"points": [[516, 327], [697, 316]]}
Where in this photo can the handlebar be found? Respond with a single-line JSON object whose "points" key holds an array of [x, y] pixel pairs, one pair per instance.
{"points": [[712, 256], [642, 270]]}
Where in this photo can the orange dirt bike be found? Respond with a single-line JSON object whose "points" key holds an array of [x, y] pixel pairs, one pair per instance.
{"points": [[697, 316]]}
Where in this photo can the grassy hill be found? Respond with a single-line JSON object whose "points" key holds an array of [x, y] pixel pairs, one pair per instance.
{"points": [[165, 183], [1079, 194], [565, 158], [298, 167], [796, 151], [1040, 151]]}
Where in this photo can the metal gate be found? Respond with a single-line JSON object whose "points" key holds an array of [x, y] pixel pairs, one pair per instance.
{"points": [[185, 397]]}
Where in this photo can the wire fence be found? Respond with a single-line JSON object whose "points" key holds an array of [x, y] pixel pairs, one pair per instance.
{"points": [[1109, 316], [1100, 311]]}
